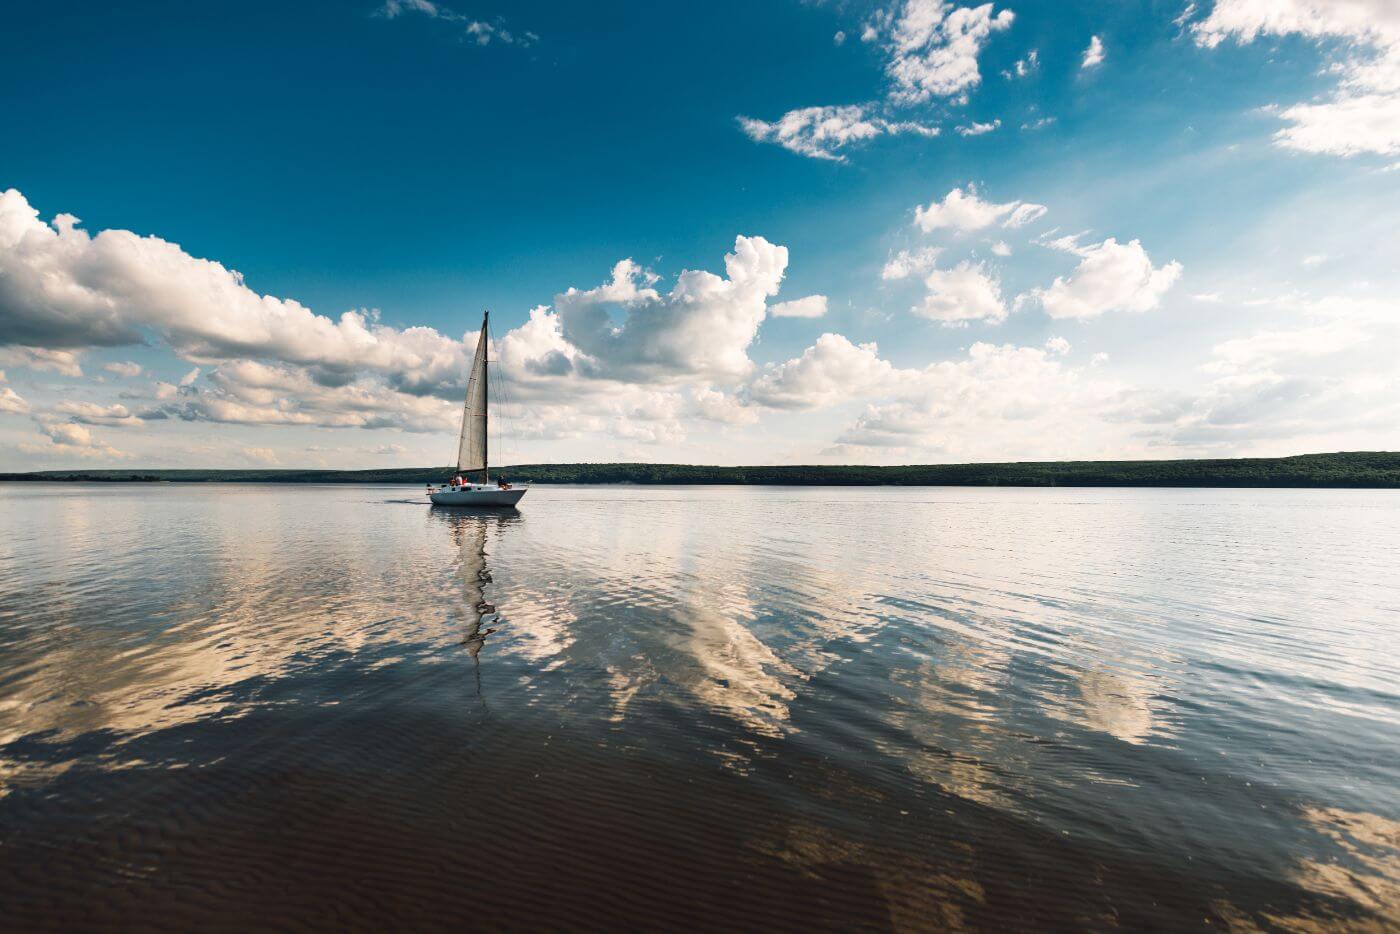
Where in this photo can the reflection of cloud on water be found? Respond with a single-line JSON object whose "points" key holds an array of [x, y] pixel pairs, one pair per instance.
{"points": [[958, 745], [1368, 875], [1363, 874], [729, 669], [918, 894], [1117, 691], [209, 632], [1117, 704], [667, 618]]}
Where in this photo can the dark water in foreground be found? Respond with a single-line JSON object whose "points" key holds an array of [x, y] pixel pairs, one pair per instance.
{"points": [[227, 706]]}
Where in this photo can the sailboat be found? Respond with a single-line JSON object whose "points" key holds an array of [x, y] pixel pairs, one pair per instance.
{"points": [[461, 490]]}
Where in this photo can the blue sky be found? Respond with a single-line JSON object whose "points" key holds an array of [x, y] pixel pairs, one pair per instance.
{"points": [[1005, 247]]}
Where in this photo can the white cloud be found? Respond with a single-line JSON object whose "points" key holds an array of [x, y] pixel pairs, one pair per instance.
{"points": [[997, 400], [189, 378], [965, 211], [1111, 276], [907, 263], [813, 306], [91, 413], [127, 369], [962, 294], [260, 455], [1001, 248], [716, 406], [1023, 66], [62, 362], [62, 289], [478, 32], [1057, 345], [1324, 380], [819, 132], [839, 38], [932, 47], [12, 402], [1094, 54], [1349, 125], [69, 439], [977, 129], [1246, 20], [700, 330], [831, 371], [1363, 115]]}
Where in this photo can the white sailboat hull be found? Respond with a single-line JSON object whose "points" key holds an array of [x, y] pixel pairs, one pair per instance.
{"points": [[479, 496]]}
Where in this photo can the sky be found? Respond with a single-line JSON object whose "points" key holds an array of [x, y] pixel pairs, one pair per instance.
{"points": [[263, 234]]}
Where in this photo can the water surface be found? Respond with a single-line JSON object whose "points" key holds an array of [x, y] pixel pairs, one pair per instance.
{"points": [[718, 707]]}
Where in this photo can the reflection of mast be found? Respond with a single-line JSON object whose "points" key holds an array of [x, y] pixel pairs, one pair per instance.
{"points": [[469, 535]]}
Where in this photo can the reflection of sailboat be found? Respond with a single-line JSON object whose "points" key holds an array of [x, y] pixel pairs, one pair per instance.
{"points": [[471, 446], [469, 535]]}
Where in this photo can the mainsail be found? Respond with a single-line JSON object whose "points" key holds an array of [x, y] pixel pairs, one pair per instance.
{"points": [[471, 451]]}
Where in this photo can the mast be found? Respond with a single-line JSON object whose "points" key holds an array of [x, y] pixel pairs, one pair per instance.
{"points": [[485, 398]]}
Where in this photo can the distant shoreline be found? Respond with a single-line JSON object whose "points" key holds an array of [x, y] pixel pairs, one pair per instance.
{"points": [[1350, 470]]}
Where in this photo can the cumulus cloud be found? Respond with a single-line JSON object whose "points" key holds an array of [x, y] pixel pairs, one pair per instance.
{"points": [[813, 306], [974, 406], [967, 292], [1094, 54], [127, 369], [714, 405], [932, 46], [63, 289], [1323, 375], [830, 371], [69, 439], [931, 49], [62, 362], [907, 263], [12, 402], [92, 413], [248, 392], [819, 132], [994, 400], [1363, 115], [700, 330], [965, 211], [1111, 276]]}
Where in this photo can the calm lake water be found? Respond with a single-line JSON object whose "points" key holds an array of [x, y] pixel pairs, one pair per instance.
{"points": [[721, 707]]}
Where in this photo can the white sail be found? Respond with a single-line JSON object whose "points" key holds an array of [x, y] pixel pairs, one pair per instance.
{"points": [[471, 451]]}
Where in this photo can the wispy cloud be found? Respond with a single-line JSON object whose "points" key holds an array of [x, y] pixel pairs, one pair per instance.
{"points": [[476, 31], [820, 132]]}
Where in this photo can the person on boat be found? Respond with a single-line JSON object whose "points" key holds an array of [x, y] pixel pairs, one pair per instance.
{"points": [[503, 484]]}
